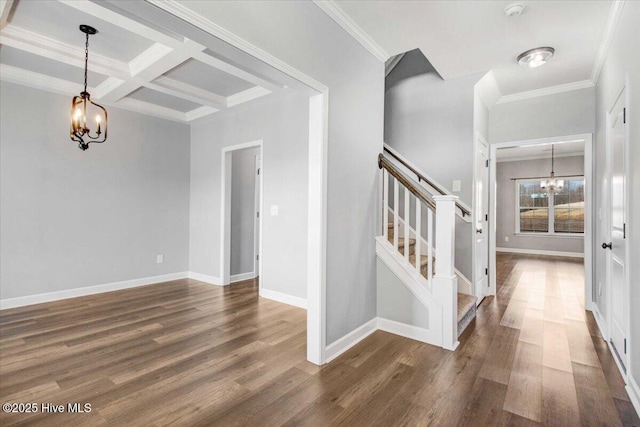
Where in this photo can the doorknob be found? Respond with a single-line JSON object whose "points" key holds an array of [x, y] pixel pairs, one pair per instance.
{"points": [[606, 245]]}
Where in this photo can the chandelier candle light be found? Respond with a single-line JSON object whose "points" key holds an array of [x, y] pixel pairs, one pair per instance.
{"points": [[552, 184], [82, 107]]}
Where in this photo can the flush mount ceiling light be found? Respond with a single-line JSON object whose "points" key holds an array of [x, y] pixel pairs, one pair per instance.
{"points": [[552, 184], [514, 9], [82, 107], [536, 57]]}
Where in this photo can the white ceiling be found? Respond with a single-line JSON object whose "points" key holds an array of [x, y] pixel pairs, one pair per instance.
{"points": [[468, 36], [142, 59], [540, 151]]}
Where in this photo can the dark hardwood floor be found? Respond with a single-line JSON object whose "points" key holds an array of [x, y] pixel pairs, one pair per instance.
{"points": [[186, 353]]}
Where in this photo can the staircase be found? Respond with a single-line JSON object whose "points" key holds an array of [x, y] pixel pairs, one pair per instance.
{"points": [[413, 221]]}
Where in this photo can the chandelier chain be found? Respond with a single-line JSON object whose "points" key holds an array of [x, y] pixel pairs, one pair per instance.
{"points": [[86, 61]]}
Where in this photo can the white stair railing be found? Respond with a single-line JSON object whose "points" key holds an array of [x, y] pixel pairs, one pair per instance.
{"points": [[443, 284]]}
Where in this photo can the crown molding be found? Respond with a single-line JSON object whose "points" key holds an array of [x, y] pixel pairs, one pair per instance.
{"points": [[539, 157], [551, 90], [20, 76], [336, 13], [612, 23]]}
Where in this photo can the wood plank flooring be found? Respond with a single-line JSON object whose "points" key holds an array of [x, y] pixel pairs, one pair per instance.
{"points": [[189, 354]]}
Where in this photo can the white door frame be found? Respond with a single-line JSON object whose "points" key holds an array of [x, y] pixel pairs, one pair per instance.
{"points": [[625, 372], [588, 211], [257, 229], [489, 291], [225, 208]]}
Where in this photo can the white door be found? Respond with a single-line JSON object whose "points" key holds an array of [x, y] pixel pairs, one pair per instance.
{"points": [[616, 259], [257, 204], [481, 220]]}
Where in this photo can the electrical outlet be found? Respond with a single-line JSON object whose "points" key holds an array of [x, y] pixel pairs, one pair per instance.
{"points": [[506, 238], [456, 185], [159, 259], [274, 210]]}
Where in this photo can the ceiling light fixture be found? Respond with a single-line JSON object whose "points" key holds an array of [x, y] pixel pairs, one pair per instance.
{"points": [[514, 9], [82, 106], [552, 184], [534, 58]]}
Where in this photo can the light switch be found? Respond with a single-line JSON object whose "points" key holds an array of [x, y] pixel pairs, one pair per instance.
{"points": [[159, 259], [274, 210], [506, 238], [456, 185]]}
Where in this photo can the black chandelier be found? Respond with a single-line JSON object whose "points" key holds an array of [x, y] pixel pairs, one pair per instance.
{"points": [[82, 107]]}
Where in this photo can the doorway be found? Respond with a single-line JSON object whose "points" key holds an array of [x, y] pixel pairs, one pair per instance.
{"points": [[241, 203], [538, 213]]}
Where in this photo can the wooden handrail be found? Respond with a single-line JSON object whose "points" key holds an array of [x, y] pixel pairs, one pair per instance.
{"points": [[415, 188], [421, 177]]}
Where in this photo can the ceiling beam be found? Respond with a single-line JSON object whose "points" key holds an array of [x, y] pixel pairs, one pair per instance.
{"points": [[24, 77], [247, 95], [200, 112], [38, 44], [151, 109], [5, 11]]}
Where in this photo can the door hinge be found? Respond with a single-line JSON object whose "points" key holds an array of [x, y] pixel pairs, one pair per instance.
{"points": [[625, 346], [258, 214], [624, 115], [486, 163], [624, 230], [486, 271], [258, 171], [486, 217], [257, 257]]}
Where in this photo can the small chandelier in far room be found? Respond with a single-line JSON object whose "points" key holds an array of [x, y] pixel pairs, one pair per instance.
{"points": [[552, 184], [83, 109]]}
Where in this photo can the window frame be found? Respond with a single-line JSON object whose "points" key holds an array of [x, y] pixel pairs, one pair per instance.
{"points": [[550, 208]]}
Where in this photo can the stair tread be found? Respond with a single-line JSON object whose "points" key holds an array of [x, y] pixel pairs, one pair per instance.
{"points": [[412, 241], [423, 259], [465, 303]]}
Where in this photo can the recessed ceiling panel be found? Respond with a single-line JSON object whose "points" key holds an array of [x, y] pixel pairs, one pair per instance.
{"points": [[208, 78], [60, 22], [164, 100], [28, 61]]}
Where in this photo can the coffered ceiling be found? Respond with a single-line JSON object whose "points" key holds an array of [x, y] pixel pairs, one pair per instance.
{"points": [[156, 68]]}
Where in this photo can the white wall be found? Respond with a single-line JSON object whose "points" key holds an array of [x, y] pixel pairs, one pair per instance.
{"points": [[243, 180], [430, 122], [283, 125], [566, 113], [506, 202], [302, 35], [73, 219], [622, 62]]}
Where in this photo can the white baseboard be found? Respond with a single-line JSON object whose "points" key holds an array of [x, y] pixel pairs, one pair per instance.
{"points": [[204, 278], [634, 393], [541, 252], [343, 344], [243, 276], [283, 298], [408, 331], [88, 290]]}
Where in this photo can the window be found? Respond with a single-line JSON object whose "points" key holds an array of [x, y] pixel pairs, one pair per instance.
{"points": [[559, 212]]}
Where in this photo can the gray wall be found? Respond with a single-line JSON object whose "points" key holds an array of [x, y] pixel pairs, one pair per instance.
{"points": [[430, 122], [566, 113], [506, 201], [396, 302], [283, 125], [71, 219], [622, 61], [306, 38], [243, 180]]}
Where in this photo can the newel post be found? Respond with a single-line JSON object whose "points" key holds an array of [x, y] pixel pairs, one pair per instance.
{"points": [[445, 283]]}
